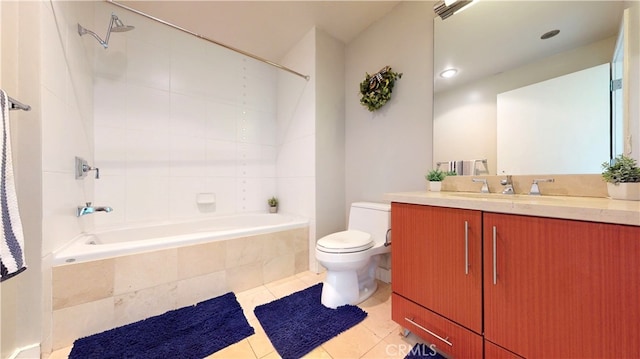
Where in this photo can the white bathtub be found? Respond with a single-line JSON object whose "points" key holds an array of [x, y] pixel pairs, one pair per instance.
{"points": [[125, 241]]}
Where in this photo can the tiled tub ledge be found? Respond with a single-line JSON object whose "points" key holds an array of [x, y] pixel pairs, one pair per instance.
{"points": [[94, 296]]}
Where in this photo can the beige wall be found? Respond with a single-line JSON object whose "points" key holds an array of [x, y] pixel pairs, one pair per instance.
{"points": [[390, 149]]}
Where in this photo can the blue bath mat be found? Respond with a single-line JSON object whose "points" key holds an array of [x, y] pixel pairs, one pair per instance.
{"points": [[190, 332], [421, 350], [298, 323]]}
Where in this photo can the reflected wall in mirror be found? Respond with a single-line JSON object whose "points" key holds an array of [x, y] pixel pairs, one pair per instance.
{"points": [[497, 47]]}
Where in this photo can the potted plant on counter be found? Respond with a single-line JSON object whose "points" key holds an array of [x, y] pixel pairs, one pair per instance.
{"points": [[273, 204], [622, 175], [435, 178]]}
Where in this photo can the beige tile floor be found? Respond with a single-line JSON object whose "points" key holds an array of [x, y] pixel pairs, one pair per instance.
{"points": [[375, 337]]}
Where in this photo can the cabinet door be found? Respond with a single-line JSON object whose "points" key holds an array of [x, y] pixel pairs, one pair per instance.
{"points": [[437, 260], [560, 288]]}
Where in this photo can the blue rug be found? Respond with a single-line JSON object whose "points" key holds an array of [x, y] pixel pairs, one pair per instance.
{"points": [[190, 332], [298, 323], [421, 350]]}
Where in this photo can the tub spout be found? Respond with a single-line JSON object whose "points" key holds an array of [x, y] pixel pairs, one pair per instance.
{"points": [[88, 209]]}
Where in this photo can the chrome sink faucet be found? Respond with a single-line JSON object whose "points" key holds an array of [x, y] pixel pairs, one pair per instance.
{"points": [[485, 186], [88, 209], [535, 189], [508, 185]]}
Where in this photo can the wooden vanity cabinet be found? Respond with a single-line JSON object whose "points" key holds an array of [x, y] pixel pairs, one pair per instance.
{"points": [[437, 274], [557, 288], [508, 286], [492, 351]]}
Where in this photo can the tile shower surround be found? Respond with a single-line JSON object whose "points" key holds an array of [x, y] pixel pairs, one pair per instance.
{"points": [[174, 117], [94, 296]]}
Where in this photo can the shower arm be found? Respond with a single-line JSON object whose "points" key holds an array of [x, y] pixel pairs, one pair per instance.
{"points": [[105, 42]]}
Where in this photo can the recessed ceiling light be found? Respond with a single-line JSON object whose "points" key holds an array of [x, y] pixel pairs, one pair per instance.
{"points": [[549, 34], [448, 73]]}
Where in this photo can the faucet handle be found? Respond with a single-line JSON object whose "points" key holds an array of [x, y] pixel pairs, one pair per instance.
{"points": [[87, 168], [485, 185], [535, 189], [82, 168], [506, 181]]}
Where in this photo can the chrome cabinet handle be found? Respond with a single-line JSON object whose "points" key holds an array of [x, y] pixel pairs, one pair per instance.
{"points": [[495, 257], [444, 340], [466, 247]]}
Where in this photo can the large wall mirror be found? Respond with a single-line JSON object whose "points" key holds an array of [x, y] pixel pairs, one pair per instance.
{"points": [[496, 47]]}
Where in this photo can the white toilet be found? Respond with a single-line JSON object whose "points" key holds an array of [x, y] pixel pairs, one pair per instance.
{"points": [[352, 256]]}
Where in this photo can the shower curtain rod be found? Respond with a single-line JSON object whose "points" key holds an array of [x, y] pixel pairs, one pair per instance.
{"points": [[306, 77]]}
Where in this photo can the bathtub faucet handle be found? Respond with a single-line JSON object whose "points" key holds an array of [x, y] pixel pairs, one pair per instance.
{"points": [[82, 168], [87, 168]]}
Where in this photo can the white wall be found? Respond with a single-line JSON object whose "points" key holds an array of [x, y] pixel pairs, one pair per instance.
{"points": [[66, 93], [21, 295], [465, 117], [390, 149], [634, 78], [330, 135], [297, 134], [176, 116], [33, 34], [567, 114]]}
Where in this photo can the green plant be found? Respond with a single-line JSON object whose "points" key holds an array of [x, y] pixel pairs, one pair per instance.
{"points": [[376, 89], [435, 175], [273, 202], [623, 170]]}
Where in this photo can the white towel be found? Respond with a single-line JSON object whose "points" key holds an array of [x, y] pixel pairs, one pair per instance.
{"points": [[12, 238]]}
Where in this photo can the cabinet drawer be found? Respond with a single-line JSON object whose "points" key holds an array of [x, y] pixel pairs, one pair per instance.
{"points": [[448, 337]]}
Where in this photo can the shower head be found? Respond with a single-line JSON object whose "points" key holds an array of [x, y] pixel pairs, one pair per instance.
{"points": [[118, 26], [115, 25]]}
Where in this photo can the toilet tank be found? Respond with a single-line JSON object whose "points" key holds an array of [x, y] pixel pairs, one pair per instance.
{"points": [[373, 218]]}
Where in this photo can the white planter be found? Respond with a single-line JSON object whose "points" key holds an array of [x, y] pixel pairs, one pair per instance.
{"points": [[273, 209], [626, 191], [435, 186]]}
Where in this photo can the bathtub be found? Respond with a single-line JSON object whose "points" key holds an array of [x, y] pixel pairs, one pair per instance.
{"points": [[131, 240], [123, 275]]}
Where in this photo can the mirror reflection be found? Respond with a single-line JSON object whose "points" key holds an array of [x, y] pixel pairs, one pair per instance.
{"points": [[497, 54]]}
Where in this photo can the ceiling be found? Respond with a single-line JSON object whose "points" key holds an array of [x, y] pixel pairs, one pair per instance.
{"points": [[268, 29], [487, 38], [490, 37]]}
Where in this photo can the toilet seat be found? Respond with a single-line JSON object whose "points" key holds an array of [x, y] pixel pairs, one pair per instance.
{"points": [[345, 242]]}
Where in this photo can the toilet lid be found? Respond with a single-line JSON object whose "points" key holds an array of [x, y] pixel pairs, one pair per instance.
{"points": [[345, 242]]}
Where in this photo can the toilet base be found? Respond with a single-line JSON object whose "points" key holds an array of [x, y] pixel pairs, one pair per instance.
{"points": [[350, 286]]}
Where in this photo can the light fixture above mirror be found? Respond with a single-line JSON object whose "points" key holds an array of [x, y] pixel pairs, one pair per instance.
{"points": [[447, 8]]}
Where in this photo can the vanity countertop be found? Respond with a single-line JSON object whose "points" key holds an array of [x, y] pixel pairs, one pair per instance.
{"points": [[578, 208]]}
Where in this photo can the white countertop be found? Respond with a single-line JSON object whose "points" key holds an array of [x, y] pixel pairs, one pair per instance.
{"points": [[578, 208]]}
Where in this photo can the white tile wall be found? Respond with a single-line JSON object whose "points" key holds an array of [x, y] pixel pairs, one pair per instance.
{"points": [[67, 123], [176, 116]]}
